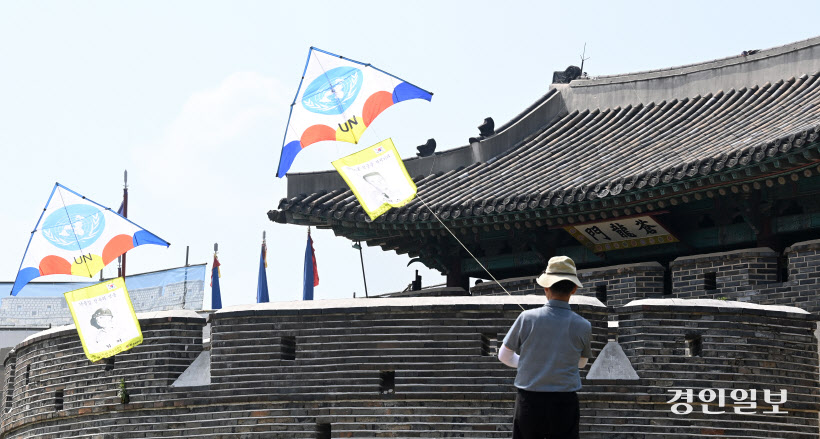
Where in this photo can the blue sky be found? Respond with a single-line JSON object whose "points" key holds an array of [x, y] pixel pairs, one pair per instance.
{"points": [[192, 97]]}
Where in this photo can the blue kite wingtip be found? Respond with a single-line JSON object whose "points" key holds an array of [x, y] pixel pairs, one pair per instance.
{"points": [[24, 276]]}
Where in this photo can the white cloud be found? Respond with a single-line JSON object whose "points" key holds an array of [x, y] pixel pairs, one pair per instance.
{"points": [[211, 118], [215, 120]]}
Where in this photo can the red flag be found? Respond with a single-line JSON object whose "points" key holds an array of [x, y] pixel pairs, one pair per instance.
{"points": [[315, 270], [215, 266]]}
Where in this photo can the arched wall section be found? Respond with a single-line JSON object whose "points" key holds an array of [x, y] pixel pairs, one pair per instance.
{"points": [[56, 380], [739, 349], [414, 367]]}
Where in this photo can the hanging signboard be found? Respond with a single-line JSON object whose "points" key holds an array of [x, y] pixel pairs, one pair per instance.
{"points": [[621, 233], [105, 319]]}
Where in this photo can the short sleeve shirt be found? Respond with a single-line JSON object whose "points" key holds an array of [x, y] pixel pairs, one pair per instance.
{"points": [[550, 341]]}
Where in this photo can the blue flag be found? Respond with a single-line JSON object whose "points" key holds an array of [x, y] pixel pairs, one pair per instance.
{"points": [[262, 285], [216, 296], [311, 278]]}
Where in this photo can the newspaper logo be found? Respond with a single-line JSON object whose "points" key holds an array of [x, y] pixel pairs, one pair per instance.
{"points": [[745, 401]]}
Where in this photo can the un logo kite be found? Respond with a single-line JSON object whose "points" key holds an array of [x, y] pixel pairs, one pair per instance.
{"points": [[341, 99], [77, 237]]}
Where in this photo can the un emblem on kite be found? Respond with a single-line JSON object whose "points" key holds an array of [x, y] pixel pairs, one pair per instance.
{"points": [[333, 92], [74, 227]]}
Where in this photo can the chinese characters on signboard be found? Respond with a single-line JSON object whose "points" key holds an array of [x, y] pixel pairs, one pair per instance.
{"points": [[621, 233]]}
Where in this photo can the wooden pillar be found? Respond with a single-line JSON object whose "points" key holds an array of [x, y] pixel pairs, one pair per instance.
{"points": [[766, 238], [455, 279]]}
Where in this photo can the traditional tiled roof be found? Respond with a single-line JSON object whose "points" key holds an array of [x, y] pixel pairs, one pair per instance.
{"points": [[674, 146]]}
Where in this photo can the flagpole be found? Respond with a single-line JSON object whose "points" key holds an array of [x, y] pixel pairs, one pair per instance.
{"points": [[185, 282], [358, 246], [124, 213]]}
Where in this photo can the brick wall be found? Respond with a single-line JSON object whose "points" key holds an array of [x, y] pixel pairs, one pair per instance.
{"points": [[613, 286], [740, 348], [420, 367], [514, 286], [756, 275], [728, 274], [803, 277], [53, 361], [414, 367], [620, 284]]}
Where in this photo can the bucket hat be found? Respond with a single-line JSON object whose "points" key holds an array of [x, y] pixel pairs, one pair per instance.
{"points": [[558, 268]]}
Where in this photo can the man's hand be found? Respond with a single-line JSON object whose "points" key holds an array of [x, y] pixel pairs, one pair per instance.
{"points": [[508, 356], [582, 362]]}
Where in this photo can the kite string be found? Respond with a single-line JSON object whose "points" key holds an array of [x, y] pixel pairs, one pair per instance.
{"points": [[450, 231], [422, 201], [465, 248]]}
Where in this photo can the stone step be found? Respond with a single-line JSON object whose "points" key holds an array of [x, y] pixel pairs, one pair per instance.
{"points": [[375, 346], [248, 362], [405, 373], [360, 328], [264, 338], [340, 431]]}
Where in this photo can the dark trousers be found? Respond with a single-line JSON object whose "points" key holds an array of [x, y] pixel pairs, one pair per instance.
{"points": [[551, 415]]}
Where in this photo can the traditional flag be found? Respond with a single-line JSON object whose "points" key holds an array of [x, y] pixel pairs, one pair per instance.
{"points": [[216, 294], [77, 236], [105, 318], [341, 99], [262, 281], [311, 273], [377, 177]]}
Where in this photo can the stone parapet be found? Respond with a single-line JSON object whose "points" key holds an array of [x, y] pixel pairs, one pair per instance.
{"points": [[422, 367], [757, 275], [620, 284], [725, 274], [49, 376], [706, 344], [612, 285]]}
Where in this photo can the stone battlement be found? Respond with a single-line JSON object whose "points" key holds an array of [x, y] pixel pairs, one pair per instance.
{"points": [[758, 275], [422, 367]]}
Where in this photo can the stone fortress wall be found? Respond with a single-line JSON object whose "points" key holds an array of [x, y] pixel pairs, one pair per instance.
{"points": [[425, 367], [758, 275]]}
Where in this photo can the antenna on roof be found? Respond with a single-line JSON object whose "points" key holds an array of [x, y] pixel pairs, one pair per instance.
{"points": [[584, 59]]}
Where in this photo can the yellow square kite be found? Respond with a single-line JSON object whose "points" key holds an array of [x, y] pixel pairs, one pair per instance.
{"points": [[377, 177], [105, 319]]}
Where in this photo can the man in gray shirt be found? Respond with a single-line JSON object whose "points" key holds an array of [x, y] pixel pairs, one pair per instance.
{"points": [[548, 345]]}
